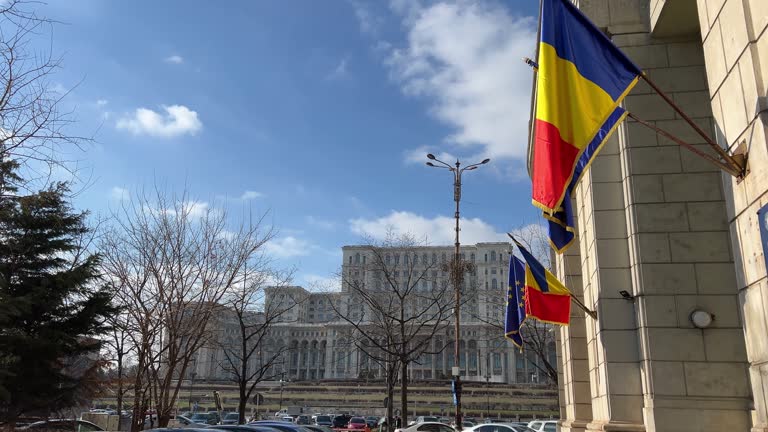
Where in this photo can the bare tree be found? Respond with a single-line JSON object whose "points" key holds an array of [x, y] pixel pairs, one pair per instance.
{"points": [[118, 349], [403, 309], [250, 359], [33, 130], [172, 261], [538, 337]]}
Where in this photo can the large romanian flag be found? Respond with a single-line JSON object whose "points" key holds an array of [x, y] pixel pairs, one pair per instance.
{"points": [[546, 298], [582, 78]]}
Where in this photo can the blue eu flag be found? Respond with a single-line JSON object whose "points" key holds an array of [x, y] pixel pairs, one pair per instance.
{"points": [[515, 301]]}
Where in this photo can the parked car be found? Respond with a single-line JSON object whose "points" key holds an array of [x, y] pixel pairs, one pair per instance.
{"points": [[499, 427], [423, 419], [281, 426], [319, 428], [230, 418], [356, 423], [543, 425], [243, 428], [322, 420], [68, 425], [371, 421], [209, 418], [303, 419], [341, 421], [427, 427]]}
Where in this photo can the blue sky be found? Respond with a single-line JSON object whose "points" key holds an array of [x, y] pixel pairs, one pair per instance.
{"points": [[319, 112]]}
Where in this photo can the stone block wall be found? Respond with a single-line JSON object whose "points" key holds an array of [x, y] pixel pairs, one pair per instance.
{"points": [[733, 34]]}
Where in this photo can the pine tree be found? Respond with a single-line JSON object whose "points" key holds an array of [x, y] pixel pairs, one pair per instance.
{"points": [[53, 305]]}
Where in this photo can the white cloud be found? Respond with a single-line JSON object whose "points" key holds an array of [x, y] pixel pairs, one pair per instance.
{"points": [[419, 155], [464, 57], [174, 59], [437, 231], [119, 194], [177, 120], [249, 195], [320, 223], [321, 283], [340, 71], [287, 247], [101, 102], [369, 21], [196, 209]]}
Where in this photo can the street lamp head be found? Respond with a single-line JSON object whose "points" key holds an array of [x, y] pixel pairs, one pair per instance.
{"points": [[485, 161], [430, 156], [430, 164]]}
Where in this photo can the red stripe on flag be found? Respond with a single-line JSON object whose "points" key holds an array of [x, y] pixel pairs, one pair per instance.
{"points": [[553, 161], [549, 308]]}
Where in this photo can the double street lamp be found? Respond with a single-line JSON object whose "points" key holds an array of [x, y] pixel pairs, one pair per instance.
{"points": [[457, 269]]}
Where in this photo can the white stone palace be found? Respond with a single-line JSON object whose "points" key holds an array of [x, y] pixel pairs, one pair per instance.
{"points": [[317, 337]]}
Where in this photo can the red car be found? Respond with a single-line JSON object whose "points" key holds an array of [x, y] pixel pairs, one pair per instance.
{"points": [[356, 423]]}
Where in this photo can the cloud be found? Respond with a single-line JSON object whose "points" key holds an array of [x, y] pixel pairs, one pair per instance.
{"points": [[119, 194], [464, 58], [419, 155], [288, 247], [177, 120], [249, 195], [174, 59], [101, 102], [197, 209], [321, 283], [320, 223], [437, 231], [340, 71], [369, 21]]}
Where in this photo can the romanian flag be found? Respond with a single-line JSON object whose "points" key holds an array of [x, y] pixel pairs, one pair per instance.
{"points": [[546, 298], [515, 315], [582, 78], [561, 223]]}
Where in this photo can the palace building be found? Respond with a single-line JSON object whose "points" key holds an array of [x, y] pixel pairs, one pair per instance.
{"points": [[318, 341]]}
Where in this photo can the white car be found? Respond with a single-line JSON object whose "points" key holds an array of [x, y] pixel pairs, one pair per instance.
{"points": [[427, 427], [543, 425], [423, 419], [499, 427]]}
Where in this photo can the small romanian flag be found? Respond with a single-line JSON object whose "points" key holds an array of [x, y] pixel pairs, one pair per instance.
{"points": [[582, 78], [546, 298]]}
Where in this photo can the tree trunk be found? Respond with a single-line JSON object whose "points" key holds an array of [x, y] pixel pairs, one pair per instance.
{"points": [[241, 404], [120, 382], [404, 393], [390, 426]]}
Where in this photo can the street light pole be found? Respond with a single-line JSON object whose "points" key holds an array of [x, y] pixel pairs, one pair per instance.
{"points": [[457, 273], [282, 382]]}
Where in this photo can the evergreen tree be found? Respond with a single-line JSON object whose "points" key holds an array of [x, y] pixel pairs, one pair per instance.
{"points": [[53, 305]]}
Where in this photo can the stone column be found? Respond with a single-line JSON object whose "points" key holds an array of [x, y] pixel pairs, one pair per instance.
{"points": [[679, 248], [736, 56], [573, 365], [612, 342]]}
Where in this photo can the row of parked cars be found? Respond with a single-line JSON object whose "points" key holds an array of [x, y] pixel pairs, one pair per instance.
{"points": [[430, 425]]}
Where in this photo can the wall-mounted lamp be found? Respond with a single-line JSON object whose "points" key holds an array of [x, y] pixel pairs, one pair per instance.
{"points": [[701, 319], [626, 295]]}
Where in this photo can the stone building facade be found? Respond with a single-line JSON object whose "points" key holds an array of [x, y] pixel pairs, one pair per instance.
{"points": [[673, 232], [318, 340]]}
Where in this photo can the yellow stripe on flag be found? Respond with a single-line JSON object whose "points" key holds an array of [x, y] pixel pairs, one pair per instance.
{"points": [[567, 100], [554, 286]]}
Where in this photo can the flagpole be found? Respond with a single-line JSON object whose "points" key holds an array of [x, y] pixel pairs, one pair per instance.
{"points": [[736, 169], [581, 305], [730, 170]]}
